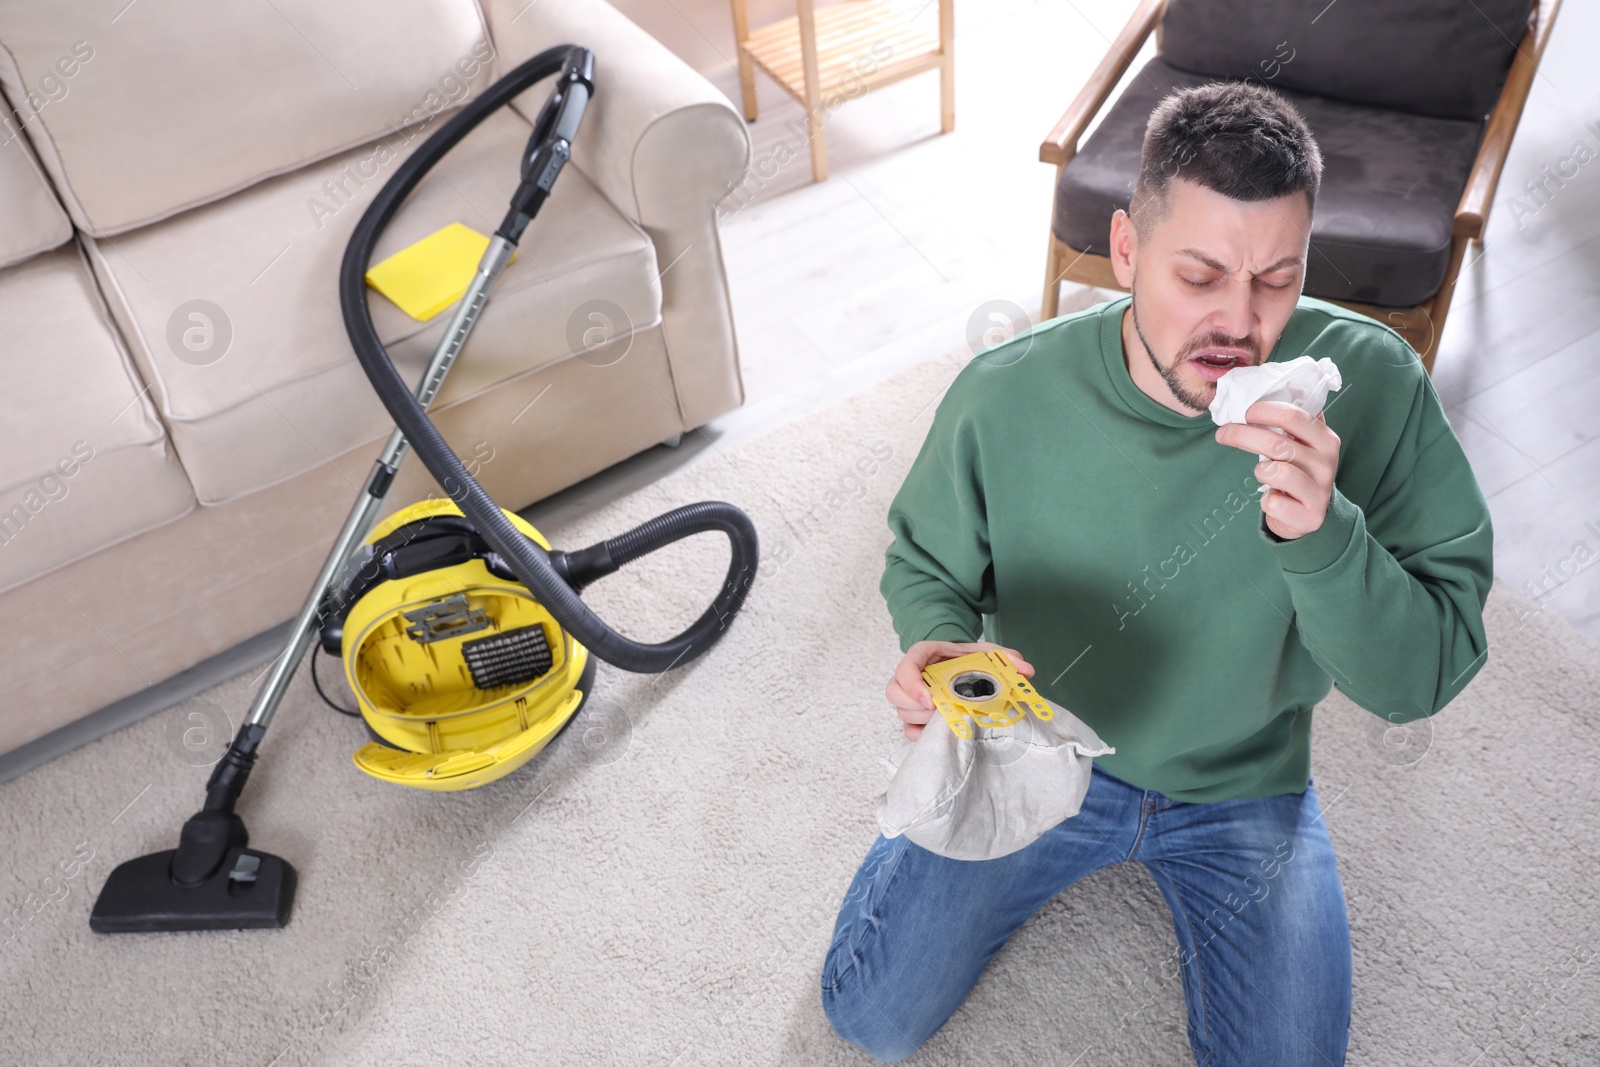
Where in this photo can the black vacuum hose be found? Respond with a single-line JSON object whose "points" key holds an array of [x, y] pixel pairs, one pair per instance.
{"points": [[531, 563]]}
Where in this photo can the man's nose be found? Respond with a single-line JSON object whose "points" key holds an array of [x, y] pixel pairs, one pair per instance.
{"points": [[1237, 315]]}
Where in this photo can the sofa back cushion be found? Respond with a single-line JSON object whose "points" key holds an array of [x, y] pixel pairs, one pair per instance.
{"points": [[31, 219], [1444, 58], [175, 104]]}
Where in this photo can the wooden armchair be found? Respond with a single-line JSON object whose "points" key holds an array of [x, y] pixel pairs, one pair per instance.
{"points": [[1378, 245]]}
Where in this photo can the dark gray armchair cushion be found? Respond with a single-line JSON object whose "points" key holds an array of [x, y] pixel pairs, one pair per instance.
{"points": [[1380, 232], [1445, 58]]}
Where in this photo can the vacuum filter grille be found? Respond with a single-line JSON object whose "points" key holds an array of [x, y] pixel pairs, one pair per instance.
{"points": [[508, 658]]}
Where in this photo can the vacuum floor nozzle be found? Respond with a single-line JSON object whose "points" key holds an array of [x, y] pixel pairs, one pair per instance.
{"points": [[249, 890]]}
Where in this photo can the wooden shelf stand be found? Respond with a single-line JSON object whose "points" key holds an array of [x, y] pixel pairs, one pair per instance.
{"points": [[826, 55]]}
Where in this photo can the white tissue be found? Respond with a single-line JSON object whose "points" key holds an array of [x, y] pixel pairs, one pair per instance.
{"points": [[1302, 381]]}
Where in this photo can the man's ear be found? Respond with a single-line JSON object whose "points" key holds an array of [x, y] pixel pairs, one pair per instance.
{"points": [[1124, 248]]}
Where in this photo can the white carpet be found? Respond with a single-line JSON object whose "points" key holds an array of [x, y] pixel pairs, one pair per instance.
{"points": [[659, 887]]}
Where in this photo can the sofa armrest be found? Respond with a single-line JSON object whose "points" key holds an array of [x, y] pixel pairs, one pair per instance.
{"points": [[665, 147]]}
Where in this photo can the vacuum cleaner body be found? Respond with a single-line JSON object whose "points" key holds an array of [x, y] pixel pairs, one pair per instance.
{"points": [[462, 675]]}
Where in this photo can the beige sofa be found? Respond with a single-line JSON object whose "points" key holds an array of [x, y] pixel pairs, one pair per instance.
{"points": [[172, 473]]}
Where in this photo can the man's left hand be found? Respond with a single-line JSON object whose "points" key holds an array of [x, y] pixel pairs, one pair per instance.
{"points": [[1299, 468]]}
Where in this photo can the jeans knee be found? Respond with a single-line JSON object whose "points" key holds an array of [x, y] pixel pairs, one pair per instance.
{"points": [[857, 1022], [845, 1010]]}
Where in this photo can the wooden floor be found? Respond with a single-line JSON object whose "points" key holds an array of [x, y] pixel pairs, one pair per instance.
{"points": [[915, 235]]}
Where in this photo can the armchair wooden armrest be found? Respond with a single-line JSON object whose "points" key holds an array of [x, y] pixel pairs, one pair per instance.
{"points": [[1472, 213], [1062, 142]]}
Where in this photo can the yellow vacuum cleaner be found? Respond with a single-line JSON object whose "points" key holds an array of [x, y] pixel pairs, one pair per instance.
{"points": [[461, 674], [462, 631]]}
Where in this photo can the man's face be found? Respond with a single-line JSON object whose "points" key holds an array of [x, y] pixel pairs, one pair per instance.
{"points": [[1215, 281]]}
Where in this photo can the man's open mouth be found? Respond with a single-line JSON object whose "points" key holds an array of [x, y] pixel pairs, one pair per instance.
{"points": [[1221, 357], [1214, 363]]}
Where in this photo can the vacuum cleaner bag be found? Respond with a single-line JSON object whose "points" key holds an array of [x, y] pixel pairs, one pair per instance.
{"points": [[989, 795]]}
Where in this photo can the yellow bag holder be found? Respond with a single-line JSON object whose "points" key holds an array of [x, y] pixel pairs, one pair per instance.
{"points": [[981, 687], [419, 695]]}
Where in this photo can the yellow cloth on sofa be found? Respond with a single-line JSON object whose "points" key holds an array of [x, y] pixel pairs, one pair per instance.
{"points": [[429, 276]]}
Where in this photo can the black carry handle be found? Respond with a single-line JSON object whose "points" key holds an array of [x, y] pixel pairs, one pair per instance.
{"points": [[550, 145]]}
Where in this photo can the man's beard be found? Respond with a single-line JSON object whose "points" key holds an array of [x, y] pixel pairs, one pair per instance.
{"points": [[1195, 401]]}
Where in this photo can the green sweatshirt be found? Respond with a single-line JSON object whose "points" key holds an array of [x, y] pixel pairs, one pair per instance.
{"points": [[1057, 509]]}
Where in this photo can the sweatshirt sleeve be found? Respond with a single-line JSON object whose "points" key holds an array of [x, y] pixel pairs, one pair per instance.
{"points": [[938, 579], [1389, 599]]}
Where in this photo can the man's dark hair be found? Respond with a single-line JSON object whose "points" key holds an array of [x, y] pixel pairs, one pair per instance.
{"points": [[1235, 138]]}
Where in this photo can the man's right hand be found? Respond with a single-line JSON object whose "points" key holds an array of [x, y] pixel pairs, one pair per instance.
{"points": [[909, 694]]}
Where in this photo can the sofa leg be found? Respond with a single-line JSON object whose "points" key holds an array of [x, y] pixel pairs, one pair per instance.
{"points": [[673, 441]]}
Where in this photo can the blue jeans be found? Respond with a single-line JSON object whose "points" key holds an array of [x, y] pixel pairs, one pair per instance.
{"points": [[1263, 937]]}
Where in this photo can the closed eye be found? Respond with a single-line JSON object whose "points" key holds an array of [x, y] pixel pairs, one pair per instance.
{"points": [[1201, 285]]}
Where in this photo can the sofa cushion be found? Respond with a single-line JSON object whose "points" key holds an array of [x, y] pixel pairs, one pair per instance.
{"points": [[86, 463], [31, 219], [259, 384], [1380, 233], [1445, 58], [175, 104]]}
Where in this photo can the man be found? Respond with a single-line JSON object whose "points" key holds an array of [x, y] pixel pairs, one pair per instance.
{"points": [[1075, 506]]}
